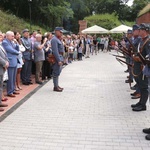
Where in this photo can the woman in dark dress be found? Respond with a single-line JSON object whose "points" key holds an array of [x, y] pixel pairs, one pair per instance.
{"points": [[47, 68]]}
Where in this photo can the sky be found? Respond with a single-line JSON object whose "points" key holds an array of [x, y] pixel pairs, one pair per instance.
{"points": [[130, 2]]}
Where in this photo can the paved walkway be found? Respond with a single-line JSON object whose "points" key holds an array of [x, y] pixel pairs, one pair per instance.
{"points": [[93, 112]]}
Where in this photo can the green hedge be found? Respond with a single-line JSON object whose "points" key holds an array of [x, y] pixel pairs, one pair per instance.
{"points": [[107, 21]]}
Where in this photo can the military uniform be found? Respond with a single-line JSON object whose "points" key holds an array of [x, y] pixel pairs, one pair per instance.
{"points": [[136, 65], [146, 71], [57, 50], [142, 79], [27, 56], [129, 58]]}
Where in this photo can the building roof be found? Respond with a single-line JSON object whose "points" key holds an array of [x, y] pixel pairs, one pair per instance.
{"points": [[144, 10]]}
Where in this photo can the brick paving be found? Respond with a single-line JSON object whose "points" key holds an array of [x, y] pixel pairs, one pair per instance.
{"points": [[26, 90], [93, 112]]}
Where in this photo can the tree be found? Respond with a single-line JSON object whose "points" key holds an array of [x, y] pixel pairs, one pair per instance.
{"points": [[137, 6], [56, 13]]}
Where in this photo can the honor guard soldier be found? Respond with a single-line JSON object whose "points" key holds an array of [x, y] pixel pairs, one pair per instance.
{"points": [[58, 51], [129, 58], [136, 65], [146, 72], [144, 50]]}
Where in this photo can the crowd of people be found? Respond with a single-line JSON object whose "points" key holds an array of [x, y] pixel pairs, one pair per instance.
{"points": [[136, 49], [25, 54]]}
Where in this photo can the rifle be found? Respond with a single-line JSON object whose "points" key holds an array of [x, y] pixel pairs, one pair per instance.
{"points": [[124, 51], [118, 56], [134, 48], [143, 60], [120, 60]]}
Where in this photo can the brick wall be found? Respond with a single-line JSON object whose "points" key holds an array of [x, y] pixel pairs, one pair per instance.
{"points": [[144, 18], [82, 25]]}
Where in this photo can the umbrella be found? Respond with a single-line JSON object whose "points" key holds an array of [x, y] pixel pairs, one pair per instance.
{"points": [[120, 29], [94, 29]]}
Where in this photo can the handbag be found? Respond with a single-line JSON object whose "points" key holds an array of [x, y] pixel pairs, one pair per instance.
{"points": [[51, 59], [5, 76]]}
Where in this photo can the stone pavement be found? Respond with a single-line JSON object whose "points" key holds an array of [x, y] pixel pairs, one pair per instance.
{"points": [[93, 112]]}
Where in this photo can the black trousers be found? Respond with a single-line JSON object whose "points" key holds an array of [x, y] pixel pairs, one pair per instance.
{"points": [[26, 71], [80, 56], [102, 47], [143, 85], [46, 70]]}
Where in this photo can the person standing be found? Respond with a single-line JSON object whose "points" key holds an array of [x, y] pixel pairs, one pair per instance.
{"points": [[39, 56], [144, 48], [136, 65], [98, 46], [102, 42], [128, 57], [146, 72], [4, 63], [95, 43], [20, 60], [80, 50], [27, 57], [58, 51], [106, 44], [47, 68], [12, 50], [87, 40]]}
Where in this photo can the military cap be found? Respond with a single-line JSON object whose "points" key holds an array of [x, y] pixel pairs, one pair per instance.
{"points": [[129, 31], [59, 29], [145, 26], [136, 27], [25, 30]]}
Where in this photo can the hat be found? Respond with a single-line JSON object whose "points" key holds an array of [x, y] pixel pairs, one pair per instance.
{"points": [[59, 29], [129, 31], [135, 27], [25, 30], [144, 26]]}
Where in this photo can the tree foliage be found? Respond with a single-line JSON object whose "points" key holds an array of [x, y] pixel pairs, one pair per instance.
{"points": [[107, 21], [51, 13]]}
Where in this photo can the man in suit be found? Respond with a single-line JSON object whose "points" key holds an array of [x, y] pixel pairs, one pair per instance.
{"points": [[57, 50], [27, 57], [12, 51], [3, 66]]}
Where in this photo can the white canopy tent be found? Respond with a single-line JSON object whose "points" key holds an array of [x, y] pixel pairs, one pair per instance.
{"points": [[120, 29], [94, 30]]}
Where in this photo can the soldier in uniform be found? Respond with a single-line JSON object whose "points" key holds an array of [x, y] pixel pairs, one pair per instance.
{"points": [[129, 58], [58, 51], [144, 48], [146, 70], [27, 57], [136, 65]]}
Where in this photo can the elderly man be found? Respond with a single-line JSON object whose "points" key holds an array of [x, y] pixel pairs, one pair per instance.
{"points": [[12, 53], [3, 66], [39, 56], [27, 57], [57, 50]]}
